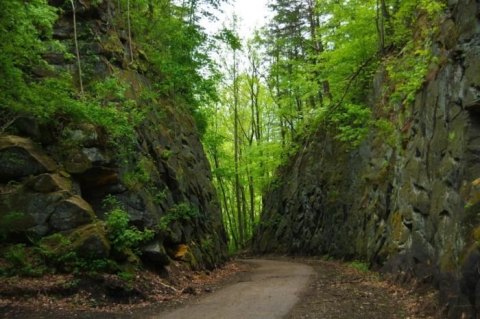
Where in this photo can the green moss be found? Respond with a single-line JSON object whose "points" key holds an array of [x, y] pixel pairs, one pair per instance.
{"points": [[166, 154], [359, 265], [140, 176], [12, 222], [113, 44]]}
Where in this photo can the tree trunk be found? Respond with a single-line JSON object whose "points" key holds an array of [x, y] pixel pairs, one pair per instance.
{"points": [[77, 49], [241, 222]]}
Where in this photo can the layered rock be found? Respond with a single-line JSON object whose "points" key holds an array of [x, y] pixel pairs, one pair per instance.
{"points": [[412, 208]]}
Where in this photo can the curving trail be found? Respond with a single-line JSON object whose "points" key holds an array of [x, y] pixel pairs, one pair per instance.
{"points": [[269, 291]]}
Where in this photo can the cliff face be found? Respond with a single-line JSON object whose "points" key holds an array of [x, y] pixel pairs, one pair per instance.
{"points": [[55, 178], [411, 208]]}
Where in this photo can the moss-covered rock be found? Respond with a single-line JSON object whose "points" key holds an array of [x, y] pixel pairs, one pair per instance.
{"points": [[71, 213], [89, 241], [49, 183], [20, 157]]}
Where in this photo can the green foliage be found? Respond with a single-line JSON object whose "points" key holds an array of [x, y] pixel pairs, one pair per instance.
{"points": [[23, 26], [122, 236], [166, 154], [182, 212], [159, 197], [207, 243], [350, 35], [351, 123], [359, 265], [140, 176], [26, 31], [95, 266], [173, 43], [386, 132], [164, 36], [126, 276], [21, 261], [230, 38], [415, 25], [10, 222], [58, 253], [408, 74]]}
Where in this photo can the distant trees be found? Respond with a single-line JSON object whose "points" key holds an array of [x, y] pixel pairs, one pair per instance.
{"points": [[312, 66]]}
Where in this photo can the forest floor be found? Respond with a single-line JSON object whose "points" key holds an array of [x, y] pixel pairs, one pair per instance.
{"points": [[108, 296], [341, 290], [335, 290]]}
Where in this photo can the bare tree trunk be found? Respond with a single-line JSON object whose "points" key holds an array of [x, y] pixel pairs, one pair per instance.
{"points": [[383, 21], [251, 191], [225, 211], [77, 49], [241, 222], [318, 48], [226, 205]]}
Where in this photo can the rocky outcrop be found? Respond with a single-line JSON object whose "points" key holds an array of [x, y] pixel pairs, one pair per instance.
{"points": [[409, 207], [54, 178], [19, 157]]}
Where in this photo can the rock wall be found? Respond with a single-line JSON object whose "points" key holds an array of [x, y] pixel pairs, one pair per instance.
{"points": [[54, 178], [412, 207]]}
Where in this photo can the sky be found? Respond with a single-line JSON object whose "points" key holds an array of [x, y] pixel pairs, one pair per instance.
{"points": [[251, 13]]}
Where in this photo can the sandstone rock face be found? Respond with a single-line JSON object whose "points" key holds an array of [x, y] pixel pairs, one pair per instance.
{"points": [[411, 209]]}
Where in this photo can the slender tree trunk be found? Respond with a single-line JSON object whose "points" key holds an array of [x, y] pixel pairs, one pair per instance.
{"points": [[241, 222], [383, 24], [129, 31], [314, 24], [226, 205], [251, 191], [77, 49]]}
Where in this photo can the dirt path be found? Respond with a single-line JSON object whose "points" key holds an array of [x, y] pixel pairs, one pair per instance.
{"points": [[269, 291]]}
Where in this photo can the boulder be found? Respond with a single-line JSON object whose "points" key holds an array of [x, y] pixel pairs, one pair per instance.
{"points": [[96, 156], [154, 253], [20, 157], [71, 213], [48, 183], [90, 241], [77, 162]]}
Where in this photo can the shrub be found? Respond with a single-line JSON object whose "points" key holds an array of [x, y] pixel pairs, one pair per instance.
{"points": [[182, 212], [10, 222], [22, 261], [359, 265], [122, 236], [140, 175]]}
